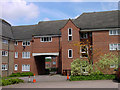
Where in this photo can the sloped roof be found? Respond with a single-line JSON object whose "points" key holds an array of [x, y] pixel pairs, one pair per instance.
{"points": [[23, 32], [96, 20], [6, 29], [50, 27]]}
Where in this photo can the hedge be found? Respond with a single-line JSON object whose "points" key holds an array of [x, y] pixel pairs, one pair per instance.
{"points": [[10, 81], [21, 74], [92, 77]]}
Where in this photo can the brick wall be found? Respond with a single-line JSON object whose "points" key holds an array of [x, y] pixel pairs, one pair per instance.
{"points": [[66, 62]]}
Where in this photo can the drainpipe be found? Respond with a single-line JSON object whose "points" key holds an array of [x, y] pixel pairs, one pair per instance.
{"points": [[8, 59], [59, 54]]}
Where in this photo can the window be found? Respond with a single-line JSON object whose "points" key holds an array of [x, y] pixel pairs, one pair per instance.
{"points": [[70, 53], [114, 46], [4, 66], [16, 67], [25, 54], [84, 51], [26, 67], [46, 39], [114, 32], [4, 53], [54, 58], [16, 54], [26, 43], [84, 35], [54, 63], [112, 66], [16, 43], [4, 41], [69, 34], [84, 70]]}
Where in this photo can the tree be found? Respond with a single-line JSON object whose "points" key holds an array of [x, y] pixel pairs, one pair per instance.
{"points": [[81, 67], [106, 61]]}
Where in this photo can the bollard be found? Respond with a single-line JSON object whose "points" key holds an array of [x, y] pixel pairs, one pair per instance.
{"points": [[29, 79]]}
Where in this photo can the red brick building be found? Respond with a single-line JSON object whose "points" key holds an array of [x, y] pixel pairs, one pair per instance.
{"points": [[56, 39]]}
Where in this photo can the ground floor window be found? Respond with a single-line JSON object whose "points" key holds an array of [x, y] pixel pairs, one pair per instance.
{"points": [[4, 66], [84, 51], [26, 67], [70, 53], [16, 67], [84, 70], [54, 63]]}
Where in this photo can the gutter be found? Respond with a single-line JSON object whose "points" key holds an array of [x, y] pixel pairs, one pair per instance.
{"points": [[84, 30]]}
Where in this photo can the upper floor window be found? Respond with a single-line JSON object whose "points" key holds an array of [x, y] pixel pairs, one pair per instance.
{"points": [[69, 34], [70, 53], [16, 54], [4, 41], [4, 53], [84, 35], [114, 32], [46, 39], [16, 43], [25, 54], [4, 66], [26, 43], [114, 46], [84, 51]]}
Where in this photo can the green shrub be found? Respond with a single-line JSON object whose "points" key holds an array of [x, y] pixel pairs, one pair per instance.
{"points": [[21, 74], [53, 69], [11, 81], [92, 77]]}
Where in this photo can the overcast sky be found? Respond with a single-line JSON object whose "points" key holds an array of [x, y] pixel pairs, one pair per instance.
{"points": [[23, 12]]}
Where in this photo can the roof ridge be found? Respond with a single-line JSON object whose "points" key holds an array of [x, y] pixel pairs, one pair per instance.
{"points": [[99, 12], [53, 20], [24, 25]]}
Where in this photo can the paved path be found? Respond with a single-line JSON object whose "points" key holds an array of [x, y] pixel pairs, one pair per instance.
{"points": [[58, 81]]}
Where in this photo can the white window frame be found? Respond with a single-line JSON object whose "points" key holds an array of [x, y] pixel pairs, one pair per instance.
{"points": [[25, 68], [16, 54], [83, 52], [86, 34], [16, 43], [113, 46], [115, 31], [70, 34], [54, 63], [50, 40], [6, 53], [25, 43], [16, 68], [25, 55], [68, 53], [112, 66], [5, 41], [85, 70], [5, 66]]}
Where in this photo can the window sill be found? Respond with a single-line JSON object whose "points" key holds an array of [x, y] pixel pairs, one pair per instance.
{"points": [[4, 70], [70, 57], [26, 71], [25, 58]]}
